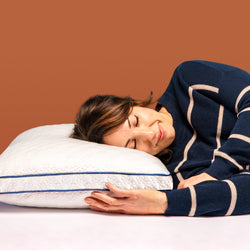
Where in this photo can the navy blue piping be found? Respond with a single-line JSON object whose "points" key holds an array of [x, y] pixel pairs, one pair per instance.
{"points": [[79, 173], [57, 190], [43, 191]]}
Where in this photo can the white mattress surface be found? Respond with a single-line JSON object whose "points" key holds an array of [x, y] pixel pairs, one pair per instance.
{"points": [[43, 228]]}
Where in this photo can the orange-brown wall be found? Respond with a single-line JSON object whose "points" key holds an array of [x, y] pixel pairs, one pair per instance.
{"points": [[55, 54]]}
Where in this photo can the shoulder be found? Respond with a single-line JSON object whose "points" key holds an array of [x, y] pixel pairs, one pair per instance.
{"points": [[201, 66], [199, 71]]}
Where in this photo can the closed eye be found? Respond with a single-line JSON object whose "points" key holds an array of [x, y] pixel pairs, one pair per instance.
{"points": [[136, 124], [129, 124], [135, 143], [137, 120]]}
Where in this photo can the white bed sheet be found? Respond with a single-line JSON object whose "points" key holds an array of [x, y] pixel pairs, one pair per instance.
{"points": [[42, 228]]}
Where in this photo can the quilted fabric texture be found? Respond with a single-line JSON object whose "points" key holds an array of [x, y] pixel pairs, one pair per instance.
{"points": [[43, 167]]}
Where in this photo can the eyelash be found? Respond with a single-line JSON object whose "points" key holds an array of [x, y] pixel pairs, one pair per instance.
{"points": [[135, 143], [136, 124], [137, 120]]}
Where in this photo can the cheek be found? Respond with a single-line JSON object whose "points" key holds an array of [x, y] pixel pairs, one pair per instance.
{"points": [[111, 140], [150, 150]]}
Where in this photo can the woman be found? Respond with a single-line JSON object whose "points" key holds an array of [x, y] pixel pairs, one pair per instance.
{"points": [[200, 127]]}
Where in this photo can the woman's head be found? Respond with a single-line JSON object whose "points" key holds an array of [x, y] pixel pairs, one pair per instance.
{"points": [[101, 113], [124, 122]]}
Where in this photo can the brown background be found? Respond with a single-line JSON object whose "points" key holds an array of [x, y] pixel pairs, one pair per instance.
{"points": [[55, 54]]}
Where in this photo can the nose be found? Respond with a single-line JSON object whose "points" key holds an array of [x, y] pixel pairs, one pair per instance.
{"points": [[145, 134]]}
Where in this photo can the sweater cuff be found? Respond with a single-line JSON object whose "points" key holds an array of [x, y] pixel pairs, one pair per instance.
{"points": [[179, 202], [209, 198]]}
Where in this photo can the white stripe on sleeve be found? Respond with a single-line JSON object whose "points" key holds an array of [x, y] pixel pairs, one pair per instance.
{"points": [[242, 93], [219, 126], [242, 111], [193, 201], [229, 158], [240, 137], [233, 197], [205, 87]]}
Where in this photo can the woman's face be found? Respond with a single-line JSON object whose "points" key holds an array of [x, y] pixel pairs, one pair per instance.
{"points": [[145, 129]]}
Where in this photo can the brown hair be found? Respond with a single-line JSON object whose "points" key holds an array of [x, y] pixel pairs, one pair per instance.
{"points": [[101, 113]]}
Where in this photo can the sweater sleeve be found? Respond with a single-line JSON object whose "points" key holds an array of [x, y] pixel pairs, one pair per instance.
{"points": [[233, 96], [233, 155], [212, 198]]}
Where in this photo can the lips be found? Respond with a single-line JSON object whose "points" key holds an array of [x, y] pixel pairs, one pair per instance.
{"points": [[161, 134]]}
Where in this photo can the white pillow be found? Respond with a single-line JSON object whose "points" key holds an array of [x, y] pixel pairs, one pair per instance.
{"points": [[43, 167]]}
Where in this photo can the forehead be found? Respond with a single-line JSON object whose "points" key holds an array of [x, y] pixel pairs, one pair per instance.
{"points": [[142, 110], [117, 136]]}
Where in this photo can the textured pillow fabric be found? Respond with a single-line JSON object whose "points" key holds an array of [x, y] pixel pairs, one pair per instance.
{"points": [[43, 167]]}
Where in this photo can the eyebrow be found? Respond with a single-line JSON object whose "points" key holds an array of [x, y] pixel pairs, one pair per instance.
{"points": [[129, 124]]}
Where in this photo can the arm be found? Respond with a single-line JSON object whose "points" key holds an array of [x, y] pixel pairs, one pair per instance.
{"points": [[233, 156], [210, 198], [233, 97]]}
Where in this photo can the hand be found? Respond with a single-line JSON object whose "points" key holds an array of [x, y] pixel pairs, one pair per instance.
{"points": [[195, 180], [128, 201]]}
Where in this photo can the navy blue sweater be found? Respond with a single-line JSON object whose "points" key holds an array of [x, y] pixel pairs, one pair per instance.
{"points": [[210, 105]]}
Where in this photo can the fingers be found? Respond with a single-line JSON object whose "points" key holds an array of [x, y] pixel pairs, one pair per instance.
{"points": [[105, 204], [183, 184], [116, 201], [180, 186], [108, 210], [98, 205], [195, 180], [188, 182], [119, 192], [111, 201]]}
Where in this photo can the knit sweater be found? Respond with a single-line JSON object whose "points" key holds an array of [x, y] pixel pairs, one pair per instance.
{"points": [[210, 106]]}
